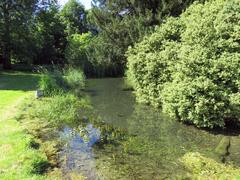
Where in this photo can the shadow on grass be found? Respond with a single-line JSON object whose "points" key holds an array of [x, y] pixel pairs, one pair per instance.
{"points": [[21, 81]]}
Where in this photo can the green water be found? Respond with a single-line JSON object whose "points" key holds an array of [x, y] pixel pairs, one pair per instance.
{"points": [[121, 139]]}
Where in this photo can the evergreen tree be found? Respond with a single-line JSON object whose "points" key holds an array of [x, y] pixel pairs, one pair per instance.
{"points": [[123, 23]]}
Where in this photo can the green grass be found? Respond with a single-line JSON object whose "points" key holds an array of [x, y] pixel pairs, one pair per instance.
{"points": [[8, 98], [18, 160], [13, 86]]}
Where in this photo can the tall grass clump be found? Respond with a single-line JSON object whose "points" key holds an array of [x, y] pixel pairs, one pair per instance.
{"points": [[60, 81], [62, 88], [75, 78], [191, 65], [52, 82]]}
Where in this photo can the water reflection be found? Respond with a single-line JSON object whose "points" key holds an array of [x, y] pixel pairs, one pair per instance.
{"points": [[77, 154]]}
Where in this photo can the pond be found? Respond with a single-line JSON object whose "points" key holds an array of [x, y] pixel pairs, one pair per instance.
{"points": [[121, 139]]}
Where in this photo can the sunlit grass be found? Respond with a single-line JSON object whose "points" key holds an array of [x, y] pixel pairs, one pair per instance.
{"points": [[17, 159], [13, 86], [8, 98]]}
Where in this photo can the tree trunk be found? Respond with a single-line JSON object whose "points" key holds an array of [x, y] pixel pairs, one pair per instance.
{"points": [[6, 55], [6, 60]]}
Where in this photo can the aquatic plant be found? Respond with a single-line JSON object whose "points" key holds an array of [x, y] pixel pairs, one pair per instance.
{"points": [[205, 168]]}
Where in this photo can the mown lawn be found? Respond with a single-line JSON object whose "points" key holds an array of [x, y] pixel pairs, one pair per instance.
{"points": [[18, 160], [13, 86]]}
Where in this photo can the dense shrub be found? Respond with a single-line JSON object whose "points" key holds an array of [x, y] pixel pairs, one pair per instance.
{"points": [[207, 78], [149, 62], [202, 70], [207, 99]]}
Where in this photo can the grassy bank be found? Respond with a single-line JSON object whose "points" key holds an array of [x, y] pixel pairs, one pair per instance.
{"points": [[15, 85], [18, 158], [29, 143]]}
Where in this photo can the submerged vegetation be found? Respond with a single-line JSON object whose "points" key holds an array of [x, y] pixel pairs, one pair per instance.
{"points": [[205, 168]]}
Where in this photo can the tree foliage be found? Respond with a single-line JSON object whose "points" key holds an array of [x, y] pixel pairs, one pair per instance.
{"points": [[123, 23], [50, 38], [40, 32], [74, 17], [76, 51], [14, 15], [18, 30]]}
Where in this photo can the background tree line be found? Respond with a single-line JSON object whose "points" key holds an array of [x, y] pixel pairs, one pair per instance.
{"points": [[38, 32]]}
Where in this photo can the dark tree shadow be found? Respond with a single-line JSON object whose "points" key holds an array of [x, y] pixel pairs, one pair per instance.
{"points": [[10, 80]]}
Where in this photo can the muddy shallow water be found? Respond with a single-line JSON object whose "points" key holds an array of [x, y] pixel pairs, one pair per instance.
{"points": [[121, 139]]}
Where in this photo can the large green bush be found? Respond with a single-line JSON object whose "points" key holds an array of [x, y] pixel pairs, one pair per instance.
{"points": [[203, 70], [150, 62]]}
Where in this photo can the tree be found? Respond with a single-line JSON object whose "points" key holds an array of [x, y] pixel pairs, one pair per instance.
{"points": [[50, 38], [74, 17], [15, 14], [9, 11], [76, 51], [123, 23]]}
